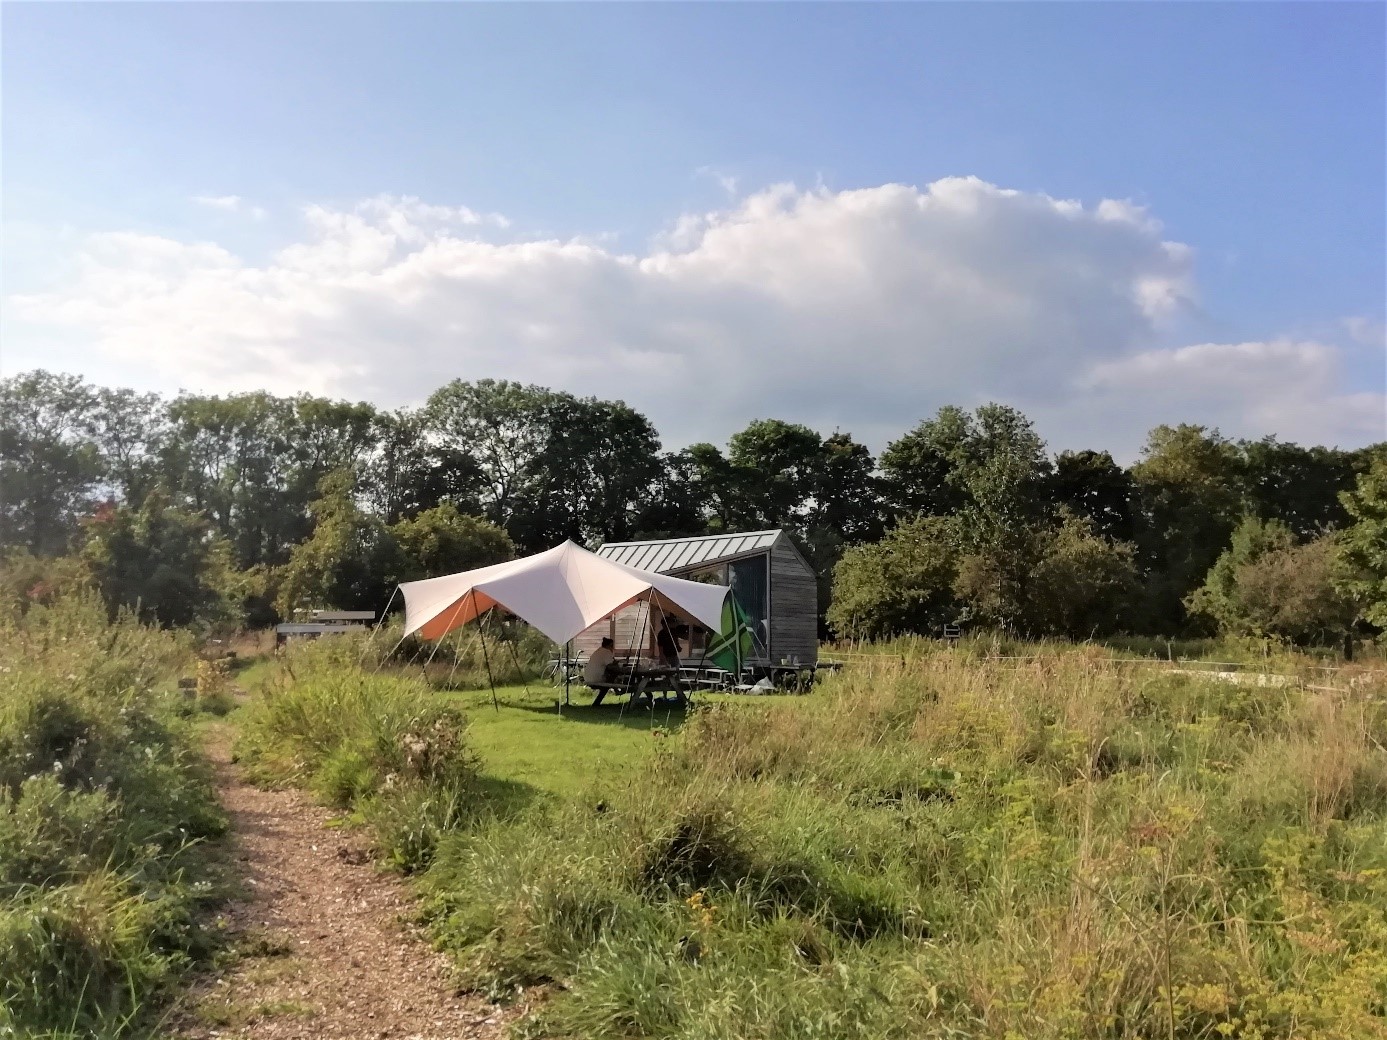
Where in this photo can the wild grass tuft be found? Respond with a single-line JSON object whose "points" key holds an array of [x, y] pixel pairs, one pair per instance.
{"points": [[381, 744], [103, 811]]}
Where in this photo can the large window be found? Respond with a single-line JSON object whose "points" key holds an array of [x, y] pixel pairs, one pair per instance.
{"points": [[750, 581]]}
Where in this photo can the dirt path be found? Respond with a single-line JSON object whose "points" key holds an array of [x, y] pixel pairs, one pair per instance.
{"points": [[324, 950]]}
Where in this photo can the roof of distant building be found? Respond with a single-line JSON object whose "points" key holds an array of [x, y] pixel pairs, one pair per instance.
{"points": [[667, 555]]}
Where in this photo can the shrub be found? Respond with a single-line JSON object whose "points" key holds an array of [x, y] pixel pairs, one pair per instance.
{"points": [[375, 742], [103, 806]]}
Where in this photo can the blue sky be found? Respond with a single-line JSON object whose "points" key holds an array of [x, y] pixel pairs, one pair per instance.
{"points": [[1253, 134]]}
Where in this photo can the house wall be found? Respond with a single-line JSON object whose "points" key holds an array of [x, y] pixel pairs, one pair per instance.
{"points": [[626, 628], [794, 606]]}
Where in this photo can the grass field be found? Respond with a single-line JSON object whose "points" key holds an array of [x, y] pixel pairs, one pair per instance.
{"points": [[559, 753], [934, 844]]}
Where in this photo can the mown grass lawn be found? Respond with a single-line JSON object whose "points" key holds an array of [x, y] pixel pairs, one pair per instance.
{"points": [[527, 739]]}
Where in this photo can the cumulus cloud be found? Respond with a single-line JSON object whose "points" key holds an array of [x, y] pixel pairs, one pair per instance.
{"points": [[231, 204], [862, 309], [1294, 389]]}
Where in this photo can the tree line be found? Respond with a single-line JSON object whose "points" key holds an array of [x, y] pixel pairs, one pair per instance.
{"points": [[245, 507]]}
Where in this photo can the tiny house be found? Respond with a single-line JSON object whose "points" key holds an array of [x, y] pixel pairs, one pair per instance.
{"points": [[770, 577]]}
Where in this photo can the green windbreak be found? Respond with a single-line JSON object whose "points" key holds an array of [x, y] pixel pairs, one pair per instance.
{"points": [[733, 645]]}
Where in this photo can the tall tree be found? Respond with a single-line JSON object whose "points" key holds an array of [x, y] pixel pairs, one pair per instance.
{"points": [[502, 425], [50, 468], [676, 506], [408, 472], [919, 470], [779, 465], [233, 459], [1091, 485], [1296, 485], [164, 563], [1187, 482], [903, 583], [593, 476], [130, 430], [1364, 543], [442, 540], [352, 561]]}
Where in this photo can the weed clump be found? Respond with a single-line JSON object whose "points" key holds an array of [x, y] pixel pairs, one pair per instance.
{"points": [[376, 743], [104, 808]]}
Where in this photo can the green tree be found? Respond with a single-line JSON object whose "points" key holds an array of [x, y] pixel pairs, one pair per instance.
{"points": [[443, 541], [502, 425], [846, 493], [50, 468], [1297, 594], [162, 562], [352, 561], [919, 471], [1187, 482], [1364, 543], [130, 431], [592, 477], [1219, 599], [1083, 584], [232, 458], [676, 505], [779, 466], [406, 472], [1298, 486], [903, 583], [253, 461], [1267, 584], [1091, 485]]}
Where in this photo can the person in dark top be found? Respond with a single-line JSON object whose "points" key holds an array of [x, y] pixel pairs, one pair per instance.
{"points": [[669, 647]]}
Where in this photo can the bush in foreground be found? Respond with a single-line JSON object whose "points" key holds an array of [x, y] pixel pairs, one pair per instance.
{"points": [[376, 742], [103, 809]]}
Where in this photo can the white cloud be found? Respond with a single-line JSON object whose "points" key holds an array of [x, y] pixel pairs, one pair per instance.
{"points": [[1370, 332], [725, 181], [231, 204], [865, 309], [1292, 388]]}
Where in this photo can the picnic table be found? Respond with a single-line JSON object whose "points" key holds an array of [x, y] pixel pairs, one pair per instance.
{"points": [[642, 681]]}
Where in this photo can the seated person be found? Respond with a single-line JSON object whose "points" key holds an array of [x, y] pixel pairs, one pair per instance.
{"points": [[599, 665], [669, 648]]}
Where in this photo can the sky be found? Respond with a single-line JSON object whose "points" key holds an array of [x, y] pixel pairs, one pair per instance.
{"points": [[1107, 215]]}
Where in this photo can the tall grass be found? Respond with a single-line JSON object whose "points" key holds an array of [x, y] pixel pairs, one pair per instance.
{"points": [[103, 811], [939, 845], [377, 742]]}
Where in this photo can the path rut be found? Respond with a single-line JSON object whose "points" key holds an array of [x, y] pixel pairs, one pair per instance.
{"points": [[326, 950]]}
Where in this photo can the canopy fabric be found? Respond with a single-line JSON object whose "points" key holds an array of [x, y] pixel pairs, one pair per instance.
{"points": [[561, 592]]}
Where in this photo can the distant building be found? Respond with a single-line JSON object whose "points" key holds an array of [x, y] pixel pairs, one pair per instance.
{"points": [[324, 623], [771, 579]]}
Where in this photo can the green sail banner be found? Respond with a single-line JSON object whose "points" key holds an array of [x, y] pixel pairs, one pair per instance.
{"points": [[733, 644]]}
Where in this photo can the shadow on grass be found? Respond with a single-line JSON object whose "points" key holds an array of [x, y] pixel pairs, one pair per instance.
{"points": [[627, 716], [505, 800]]}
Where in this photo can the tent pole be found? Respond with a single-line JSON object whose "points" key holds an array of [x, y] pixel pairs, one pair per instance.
{"points": [[639, 637], [456, 611], [567, 664], [377, 627], [485, 658], [664, 620], [515, 658]]}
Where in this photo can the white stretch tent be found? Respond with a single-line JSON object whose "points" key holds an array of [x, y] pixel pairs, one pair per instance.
{"points": [[561, 592]]}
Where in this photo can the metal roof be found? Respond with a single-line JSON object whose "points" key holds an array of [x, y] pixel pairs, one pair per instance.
{"points": [[679, 554]]}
